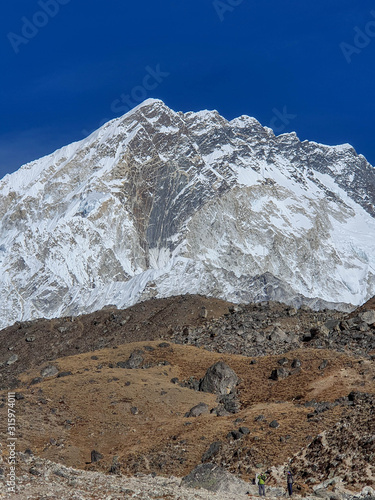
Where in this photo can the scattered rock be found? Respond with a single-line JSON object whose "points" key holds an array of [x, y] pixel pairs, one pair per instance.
{"points": [[212, 451], [12, 359], [197, 410], [283, 361], [95, 456], [244, 430], [219, 379], [228, 404], [323, 364], [324, 331], [259, 418], [279, 373], [296, 363], [278, 334], [34, 471], [367, 317], [333, 325], [234, 435], [203, 313], [49, 371], [135, 360], [214, 478], [274, 424], [115, 467], [36, 380], [61, 472]]}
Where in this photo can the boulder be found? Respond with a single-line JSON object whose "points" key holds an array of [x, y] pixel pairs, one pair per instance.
{"points": [[197, 410], [279, 373], [283, 361], [213, 450], [278, 334], [135, 360], [95, 456], [234, 435], [49, 371], [244, 430], [367, 317], [115, 466], [64, 374], [322, 493], [259, 418], [333, 325], [324, 330], [12, 359], [296, 363], [230, 403], [323, 364], [219, 379], [163, 345], [214, 478]]}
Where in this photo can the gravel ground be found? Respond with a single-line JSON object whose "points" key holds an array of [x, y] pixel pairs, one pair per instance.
{"points": [[39, 479]]}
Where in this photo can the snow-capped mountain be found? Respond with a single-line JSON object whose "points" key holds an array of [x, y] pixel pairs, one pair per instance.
{"points": [[158, 203]]}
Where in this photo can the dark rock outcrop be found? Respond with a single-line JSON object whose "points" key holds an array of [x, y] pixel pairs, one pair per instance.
{"points": [[219, 379], [214, 478], [135, 360]]}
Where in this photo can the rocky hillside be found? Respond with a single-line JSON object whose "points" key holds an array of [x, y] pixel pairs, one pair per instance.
{"points": [[158, 203], [347, 450], [169, 384], [247, 329]]}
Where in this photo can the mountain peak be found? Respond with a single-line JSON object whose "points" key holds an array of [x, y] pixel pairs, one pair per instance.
{"points": [[159, 203], [147, 103]]}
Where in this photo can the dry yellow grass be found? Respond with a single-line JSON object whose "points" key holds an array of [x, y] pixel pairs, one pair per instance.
{"points": [[64, 418]]}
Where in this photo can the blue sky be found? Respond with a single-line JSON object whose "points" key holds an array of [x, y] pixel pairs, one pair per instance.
{"points": [[70, 65]]}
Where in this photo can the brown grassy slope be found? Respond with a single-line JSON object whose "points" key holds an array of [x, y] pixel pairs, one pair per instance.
{"points": [[64, 418], [37, 341]]}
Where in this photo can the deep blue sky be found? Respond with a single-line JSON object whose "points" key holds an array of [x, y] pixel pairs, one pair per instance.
{"points": [[65, 72]]}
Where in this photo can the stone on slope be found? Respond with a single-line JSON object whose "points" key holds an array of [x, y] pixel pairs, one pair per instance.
{"points": [[197, 410], [367, 317], [135, 360], [219, 379], [214, 478], [49, 371]]}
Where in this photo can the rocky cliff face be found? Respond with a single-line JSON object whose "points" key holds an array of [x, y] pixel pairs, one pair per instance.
{"points": [[157, 203]]}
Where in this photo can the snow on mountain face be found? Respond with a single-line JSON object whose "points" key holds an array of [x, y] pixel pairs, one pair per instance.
{"points": [[159, 203]]}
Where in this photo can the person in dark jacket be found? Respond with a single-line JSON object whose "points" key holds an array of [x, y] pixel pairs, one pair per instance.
{"points": [[289, 481]]}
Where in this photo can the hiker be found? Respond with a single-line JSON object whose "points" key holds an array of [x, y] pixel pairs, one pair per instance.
{"points": [[289, 481], [262, 478]]}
